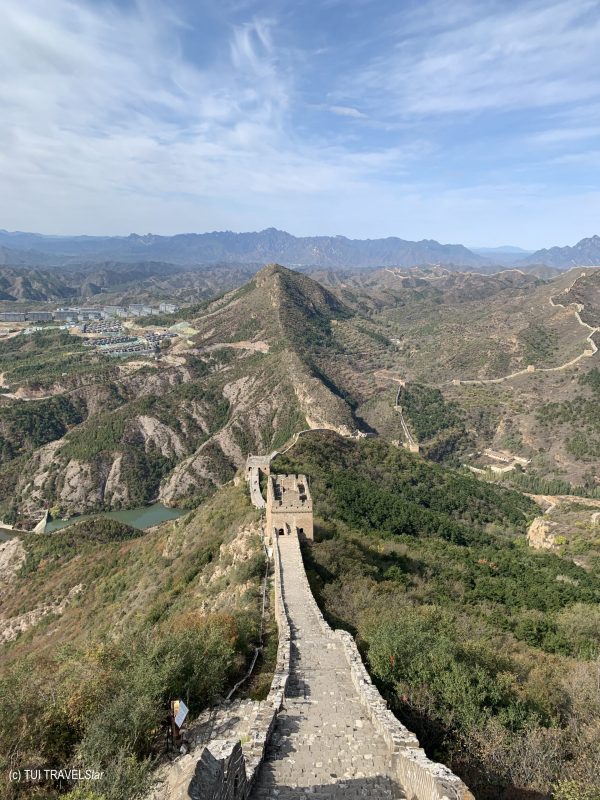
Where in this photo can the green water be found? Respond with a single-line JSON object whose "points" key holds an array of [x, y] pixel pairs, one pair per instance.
{"points": [[140, 518]]}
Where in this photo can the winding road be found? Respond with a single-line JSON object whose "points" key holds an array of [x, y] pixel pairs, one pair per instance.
{"points": [[591, 350]]}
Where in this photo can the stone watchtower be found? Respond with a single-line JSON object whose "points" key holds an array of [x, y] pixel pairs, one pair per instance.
{"points": [[289, 506]]}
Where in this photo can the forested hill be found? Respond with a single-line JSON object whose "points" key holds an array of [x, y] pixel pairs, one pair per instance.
{"points": [[483, 647]]}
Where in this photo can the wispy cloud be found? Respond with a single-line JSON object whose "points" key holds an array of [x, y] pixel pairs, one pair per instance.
{"points": [[560, 136], [476, 57], [423, 119], [100, 106], [347, 111]]}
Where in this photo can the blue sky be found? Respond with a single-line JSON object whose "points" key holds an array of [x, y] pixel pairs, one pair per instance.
{"points": [[473, 121]]}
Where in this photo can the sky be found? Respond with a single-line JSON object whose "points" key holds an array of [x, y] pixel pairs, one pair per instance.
{"points": [[472, 121]]}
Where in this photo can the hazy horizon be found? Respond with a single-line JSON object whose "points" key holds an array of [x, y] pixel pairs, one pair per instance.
{"points": [[473, 247]]}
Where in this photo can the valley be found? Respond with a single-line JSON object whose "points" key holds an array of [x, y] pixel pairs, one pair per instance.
{"points": [[433, 412], [478, 356]]}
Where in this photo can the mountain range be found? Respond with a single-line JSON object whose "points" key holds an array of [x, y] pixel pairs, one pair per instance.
{"points": [[585, 253], [199, 250], [120, 282], [225, 246]]}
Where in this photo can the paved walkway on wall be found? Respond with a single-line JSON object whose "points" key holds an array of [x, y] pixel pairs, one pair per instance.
{"points": [[255, 494], [324, 746]]}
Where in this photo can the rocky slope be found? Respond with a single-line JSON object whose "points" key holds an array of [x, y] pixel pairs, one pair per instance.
{"points": [[250, 373], [33, 284], [585, 291]]}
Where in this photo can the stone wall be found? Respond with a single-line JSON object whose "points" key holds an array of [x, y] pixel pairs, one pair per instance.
{"points": [[289, 506], [421, 778], [227, 770], [220, 773]]}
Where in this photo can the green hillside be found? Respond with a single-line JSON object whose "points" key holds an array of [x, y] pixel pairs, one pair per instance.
{"points": [[114, 625], [483, 647]]}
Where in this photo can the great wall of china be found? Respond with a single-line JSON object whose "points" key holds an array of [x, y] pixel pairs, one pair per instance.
{"points": [[324, 729], [589, 351], [409, 443]]}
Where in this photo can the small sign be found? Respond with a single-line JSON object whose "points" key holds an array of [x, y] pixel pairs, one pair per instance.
{"points": [[180, 712]]}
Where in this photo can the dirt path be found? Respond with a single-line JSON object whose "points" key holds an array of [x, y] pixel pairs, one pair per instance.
{"points": [[551, 500]]}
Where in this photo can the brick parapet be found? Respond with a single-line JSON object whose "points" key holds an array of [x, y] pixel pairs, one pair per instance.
{"points": [[421, 778], [282, 667]]}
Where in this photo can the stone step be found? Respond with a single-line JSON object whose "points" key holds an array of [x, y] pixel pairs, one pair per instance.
{"points": [[324, 731]]}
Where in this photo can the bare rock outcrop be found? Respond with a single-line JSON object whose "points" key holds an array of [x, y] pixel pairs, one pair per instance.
{"points": [[80, 490], [115, 488], [541, 534], [145, 382], [33, 479], [12, 558], [318, 403], [159, 437], [214, 591], [189, 475]]}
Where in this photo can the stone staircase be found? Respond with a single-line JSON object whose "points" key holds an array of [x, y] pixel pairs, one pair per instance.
{"points": [[323, 732], [324, 744]]}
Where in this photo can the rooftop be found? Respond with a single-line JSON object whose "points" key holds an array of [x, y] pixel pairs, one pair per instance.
{"points": [[290, 493]]}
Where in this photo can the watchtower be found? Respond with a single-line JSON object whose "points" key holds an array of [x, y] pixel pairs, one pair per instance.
{"points": [[289, 506]]}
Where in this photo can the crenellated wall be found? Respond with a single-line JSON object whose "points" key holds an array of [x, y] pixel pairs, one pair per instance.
{"points": [[227, 770]]}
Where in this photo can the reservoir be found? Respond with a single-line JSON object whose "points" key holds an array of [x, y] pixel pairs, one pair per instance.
{"points": [[140, 518]]}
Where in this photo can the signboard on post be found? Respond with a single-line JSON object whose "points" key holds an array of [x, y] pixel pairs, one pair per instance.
{"points": [[180, 712]]}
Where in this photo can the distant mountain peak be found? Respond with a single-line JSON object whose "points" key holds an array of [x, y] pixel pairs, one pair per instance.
{"points": [[269, 245], [586, 253]]}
